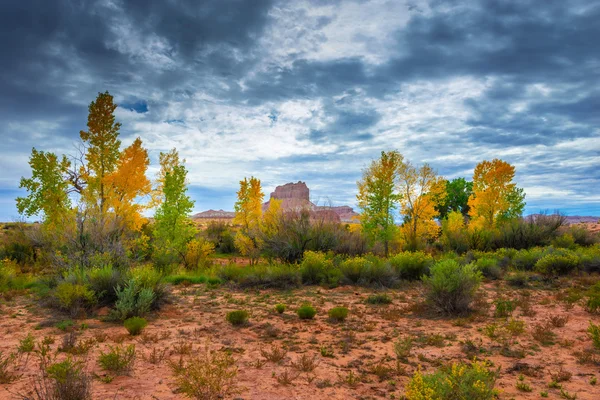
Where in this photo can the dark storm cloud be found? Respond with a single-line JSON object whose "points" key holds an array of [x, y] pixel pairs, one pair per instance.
{"points": [[538, 63]]}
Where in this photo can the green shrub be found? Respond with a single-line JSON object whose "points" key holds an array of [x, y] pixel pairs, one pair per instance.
{"points": [[525, 260], [27, 344], [135, 325], [74, 297], [338, 314], [594, 333], [280, 308], [473, 381], [306, 311], [352, 269], [185, 279], [65, 325], [564, 241], [382, 298], [559, 262], [118, 359], [238, 317], [316, 269], [593, 298], [451, 286], [103, 281], [518, 279], [504, 308], [276, 276], [207, 375], [489, 268], [132, 301], [590, 258], [411, 265], [64, 380], [147, 277], [378, 272]]}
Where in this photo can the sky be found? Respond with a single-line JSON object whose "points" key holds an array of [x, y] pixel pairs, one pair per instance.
{"points": [[312, 90]]}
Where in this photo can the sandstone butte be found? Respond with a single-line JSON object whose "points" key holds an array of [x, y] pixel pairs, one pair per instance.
{"points": [[294, 197]]}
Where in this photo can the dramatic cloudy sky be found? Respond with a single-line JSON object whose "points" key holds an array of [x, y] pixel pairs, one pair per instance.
{"points": [[313, 90]]}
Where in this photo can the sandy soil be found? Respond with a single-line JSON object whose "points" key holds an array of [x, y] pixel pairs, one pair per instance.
{"points": [[196, 316]]}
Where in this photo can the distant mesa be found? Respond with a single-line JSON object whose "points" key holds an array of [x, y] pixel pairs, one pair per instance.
{"points": [[294, 197]]}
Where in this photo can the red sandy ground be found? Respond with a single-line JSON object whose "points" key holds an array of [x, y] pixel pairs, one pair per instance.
{"points": [[197, 315]]}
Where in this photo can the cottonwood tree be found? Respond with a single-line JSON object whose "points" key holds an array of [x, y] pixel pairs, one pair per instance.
{"points": [[173, 230], [126, 184], [495, 196], [421, 189], [377, 198], [248, 215], [456, 198], [47, 188], [102, 150]]}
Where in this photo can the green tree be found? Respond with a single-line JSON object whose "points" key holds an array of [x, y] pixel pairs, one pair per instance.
{"points": [[457, 195], [377, 198], [173, 229], [48, 189], [102, 143]]}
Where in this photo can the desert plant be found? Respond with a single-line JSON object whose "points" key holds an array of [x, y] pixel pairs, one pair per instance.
{"points": [[209, 375], [457, 381], [504, 308], [276, 354], [238, 317], [135, 325], [381, 298], [559, 262], [62, 380], [594, 334], [74, 297], [280, 308], [411, 265], [118, 359], [8, 367], [338, 314], [305, 363], [489, 268], [402, 348], [306, 311], [133, 300], [452, 286]]}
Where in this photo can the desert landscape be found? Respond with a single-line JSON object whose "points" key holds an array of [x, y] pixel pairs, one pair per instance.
{"points": [[310, 199]]}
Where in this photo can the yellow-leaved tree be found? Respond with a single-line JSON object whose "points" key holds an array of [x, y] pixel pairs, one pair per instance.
{"points": [[248, 215], [127, 184], [420, 189], [495, 196]]}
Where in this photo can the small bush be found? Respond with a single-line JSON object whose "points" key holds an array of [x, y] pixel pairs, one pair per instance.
{"points": [[74, 297], [452, 286], [518, 279], [564, 241], [504, 308], [207, 376], [525, 260], [489, 268], [119, 359], [64, 380], [473, 381], [593, 298], [411, 265], [185, 279], [382, 298], [8, 367], [594, 333], [133, 300], [306, 311], [558, 262], [103, 281], [338, 314], [280, 308], [316, 269], [238, 317], [135, 325]]}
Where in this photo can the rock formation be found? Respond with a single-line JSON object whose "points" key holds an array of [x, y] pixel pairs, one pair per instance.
{"points": [[294, 197]]}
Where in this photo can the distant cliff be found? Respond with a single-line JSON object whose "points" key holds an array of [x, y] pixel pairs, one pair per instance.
{"points": [[294, 197]]}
